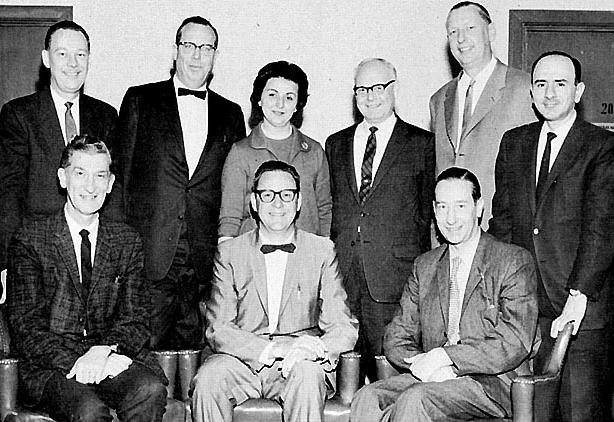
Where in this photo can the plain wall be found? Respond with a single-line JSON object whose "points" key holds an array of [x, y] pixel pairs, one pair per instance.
{"points": [[133, 40]]}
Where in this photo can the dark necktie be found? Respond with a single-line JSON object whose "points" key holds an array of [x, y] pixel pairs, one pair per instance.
{"points": [[366, 171], [198, 94], [468, 109], [86, 260], [544, 167], [286, 247], [69, 123]]}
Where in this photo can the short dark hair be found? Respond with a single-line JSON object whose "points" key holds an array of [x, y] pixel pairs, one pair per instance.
{"points": [[280, 69], [68, 25], [577, 67], [268, 166], [481, 9], [84, 143], [459, 173], [198, 20]]}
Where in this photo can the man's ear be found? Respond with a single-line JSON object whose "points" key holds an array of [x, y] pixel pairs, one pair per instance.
{"points": [[62, 177], [299, 202], [252, 200], [579, 91], [111, 181], [45, 57]]}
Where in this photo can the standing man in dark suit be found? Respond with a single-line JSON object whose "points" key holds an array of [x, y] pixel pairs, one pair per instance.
{"points": [[555, 197], [382, 175], [34, 130], [173, 137], [77, 303], [467, 324], [468, 122]]}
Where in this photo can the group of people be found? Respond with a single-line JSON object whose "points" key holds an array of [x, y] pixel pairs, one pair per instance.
{"points": [[166, 227]]}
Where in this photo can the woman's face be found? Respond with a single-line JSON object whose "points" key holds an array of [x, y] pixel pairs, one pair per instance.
{"points": [[278, 101]]}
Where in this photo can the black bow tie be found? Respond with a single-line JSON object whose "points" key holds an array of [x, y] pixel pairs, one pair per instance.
{"points": [[287, 247], [198, 94]]}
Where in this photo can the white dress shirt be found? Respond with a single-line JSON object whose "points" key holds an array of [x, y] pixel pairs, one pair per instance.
{"points": [[60, 110], [194, 118], [384, 131], [481, 79], [75, 228], [556, 144]]}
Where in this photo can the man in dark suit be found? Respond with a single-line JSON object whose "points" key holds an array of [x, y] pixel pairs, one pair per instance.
{"points": [[34, 130], [277, 318], [173, 137], [77, 303], [382, 175], [555, 197], [468, 122], [467, 324]]}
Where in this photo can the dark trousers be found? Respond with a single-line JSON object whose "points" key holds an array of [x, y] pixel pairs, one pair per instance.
{"points": [[373, 316], [175, 320], [136, 394], [584, 384]]}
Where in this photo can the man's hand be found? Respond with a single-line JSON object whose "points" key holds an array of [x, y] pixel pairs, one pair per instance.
{"points": [[425, 365], [116, 364], [89, 367], [296, 354], [444, 373], [284, 346], [574, 310]]}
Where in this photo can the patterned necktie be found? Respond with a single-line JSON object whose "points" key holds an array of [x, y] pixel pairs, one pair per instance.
{"points": [[468, 109], [544, 167], [366, 171], [86, 260], [198, 94], [69, 123], [286, 247], [456, 303]]}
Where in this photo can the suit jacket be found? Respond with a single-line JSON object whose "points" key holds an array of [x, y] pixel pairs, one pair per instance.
{"points": [[498, 325], [570, 229], [313, 299], [31, 144], [48, 311], [395, 218], [505, 103], [158, 195]]}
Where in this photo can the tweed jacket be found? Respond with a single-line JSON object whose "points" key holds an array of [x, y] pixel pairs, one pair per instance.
{"points": [[31, 144], [505, 103], [49, 312], [242, 162], [498, 325], [313, 299]]}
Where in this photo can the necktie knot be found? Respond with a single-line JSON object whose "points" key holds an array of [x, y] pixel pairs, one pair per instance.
{"points": [[286, 247], [373, 129], [84, 234], [68, 105], [550, 136], [198, 94]]}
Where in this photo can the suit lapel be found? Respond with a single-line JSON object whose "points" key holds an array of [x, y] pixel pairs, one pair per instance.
{"points": [[214, 131], [168, 111], [476, 273], [450, 107], [443, 282], [392, 153], [64, 245], [50, 124], [103, 257], [531, 158], [258, 269], [291, 286], [347, 153], [493, 91]]}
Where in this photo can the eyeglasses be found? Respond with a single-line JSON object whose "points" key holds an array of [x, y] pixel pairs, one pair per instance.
{"points": [[363, 91], [190, 47], [267, 196]]}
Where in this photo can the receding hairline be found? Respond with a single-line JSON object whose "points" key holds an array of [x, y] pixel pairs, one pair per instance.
{"points": [[481, 10], [372, 60]]}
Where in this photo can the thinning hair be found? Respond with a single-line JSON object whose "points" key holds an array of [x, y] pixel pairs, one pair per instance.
{"points": [[385, 62], [198, 20], [577, 67], [67, 25]]}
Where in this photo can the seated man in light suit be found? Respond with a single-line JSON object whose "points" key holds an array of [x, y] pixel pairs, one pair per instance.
{"points": [[467, 324], [277, 317], [76, 302]]}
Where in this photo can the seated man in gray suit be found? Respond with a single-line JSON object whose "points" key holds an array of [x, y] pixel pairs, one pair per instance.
{"points": [[467, 324], [277, 317]]}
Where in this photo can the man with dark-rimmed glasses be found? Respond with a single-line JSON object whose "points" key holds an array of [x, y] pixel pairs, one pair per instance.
{"points": [[277, 318], [382, 175]]}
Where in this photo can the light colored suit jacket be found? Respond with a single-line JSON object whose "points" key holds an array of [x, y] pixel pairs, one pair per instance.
{"points": [[313, 299], [505, 103], [498, 326]]}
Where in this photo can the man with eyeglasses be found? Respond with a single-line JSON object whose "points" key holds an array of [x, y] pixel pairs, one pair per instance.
{"points": [[277, 318], [173, 137], [470, 113], [382, 176]]}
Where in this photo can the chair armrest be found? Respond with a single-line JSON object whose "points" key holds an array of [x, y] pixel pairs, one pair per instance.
{"points": [[383, 368], [348, 376], [8, 386]]}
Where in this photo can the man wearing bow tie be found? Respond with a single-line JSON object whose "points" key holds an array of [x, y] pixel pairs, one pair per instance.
{"points": [[277, 318], [173, 137]]}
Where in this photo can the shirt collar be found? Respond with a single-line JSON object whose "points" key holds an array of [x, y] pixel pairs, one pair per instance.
{"points": [[178, 84], [75, 227], [562, 131], [60, 102], [466, 251], [262, 237], [386, 126], [482, 77]]}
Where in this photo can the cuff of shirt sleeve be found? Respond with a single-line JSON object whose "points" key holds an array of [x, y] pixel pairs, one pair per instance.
{"points": [[266, 357]]}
